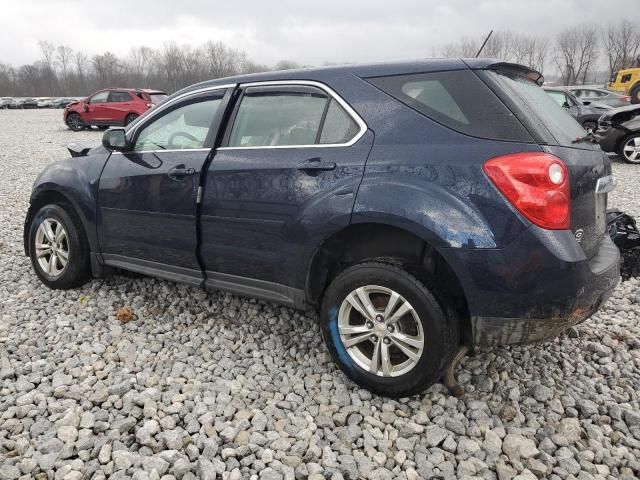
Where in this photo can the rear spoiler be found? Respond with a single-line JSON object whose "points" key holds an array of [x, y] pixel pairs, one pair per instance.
{"points": [[506, 67]]}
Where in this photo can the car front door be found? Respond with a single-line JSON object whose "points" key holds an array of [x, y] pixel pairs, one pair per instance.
{"points": [[96, 107], [148, 196], [286, 175]]}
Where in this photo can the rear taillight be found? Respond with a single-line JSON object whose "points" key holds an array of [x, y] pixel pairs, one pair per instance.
{"points": [[626, 99], [536, 184]]}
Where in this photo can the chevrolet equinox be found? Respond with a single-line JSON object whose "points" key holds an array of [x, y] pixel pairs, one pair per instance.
{"points": [[418, 207]]}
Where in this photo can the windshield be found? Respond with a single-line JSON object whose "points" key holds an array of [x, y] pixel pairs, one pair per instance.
{"points": [[548, 111], [156, 98]]}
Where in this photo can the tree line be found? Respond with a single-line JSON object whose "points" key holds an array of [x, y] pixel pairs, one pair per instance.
{"points": [[575, 53], [64, 72]]}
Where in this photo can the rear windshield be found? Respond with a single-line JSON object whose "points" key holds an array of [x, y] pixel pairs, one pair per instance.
{"points": [[457, 99], [546, 109], [156, 98]]}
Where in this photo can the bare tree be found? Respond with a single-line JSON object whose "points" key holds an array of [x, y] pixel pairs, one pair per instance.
{"points": [[530, 51], [221, 60], [81, 62], [576, 52], [622, 44], [48, 49], [64, 56], [140, 61]]}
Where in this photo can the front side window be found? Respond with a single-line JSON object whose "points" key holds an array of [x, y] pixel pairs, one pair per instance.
{"points": [[278, 118], [626, 78], [100, 97], [185, 127], [119, 97]]}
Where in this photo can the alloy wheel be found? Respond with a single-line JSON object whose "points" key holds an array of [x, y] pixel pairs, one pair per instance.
{"points": [[381, 331], [52, 247], [75, 122], [631, 149]]}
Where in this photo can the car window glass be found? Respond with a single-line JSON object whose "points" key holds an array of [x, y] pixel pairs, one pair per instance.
{"points": [[544, 105], [100, 97], [458, 100], [558, 97], [625, 78], [119, 97], [278, 119], [185, 127], [338, 125]]}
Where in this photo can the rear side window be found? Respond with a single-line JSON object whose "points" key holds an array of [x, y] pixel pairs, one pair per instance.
{"points": [[338, 126], [119, 97], [626, 78], [540, 104], [290, 116], [457, 99], [277, 119]]}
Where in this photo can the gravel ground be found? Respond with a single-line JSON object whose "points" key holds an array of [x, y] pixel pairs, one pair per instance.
{"points": [[217, 386]]}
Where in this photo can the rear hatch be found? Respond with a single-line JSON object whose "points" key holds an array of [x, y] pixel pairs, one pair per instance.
{"points": [[559, 134]]}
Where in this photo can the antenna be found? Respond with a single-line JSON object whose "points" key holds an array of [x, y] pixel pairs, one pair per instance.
{"points": [[484, 43]]}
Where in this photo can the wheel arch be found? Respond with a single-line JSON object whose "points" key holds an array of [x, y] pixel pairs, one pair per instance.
{"points": [[385, 242]]}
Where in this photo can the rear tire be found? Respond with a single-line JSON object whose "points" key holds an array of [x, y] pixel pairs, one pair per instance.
{"points": [[75, 122], [396, 357], [629, 149], [130, 118], [58, 248]]}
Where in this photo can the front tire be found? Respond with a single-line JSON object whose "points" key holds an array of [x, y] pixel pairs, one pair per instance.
{"points": [[590, 126], [75, 122], [386, 330], [58, 248], [629, 149], [635, 94]]}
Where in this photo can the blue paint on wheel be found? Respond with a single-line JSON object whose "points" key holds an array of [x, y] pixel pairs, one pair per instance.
{"points": [[341, 352]]}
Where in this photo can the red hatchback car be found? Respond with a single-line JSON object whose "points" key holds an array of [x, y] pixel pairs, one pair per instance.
{"points": [[111, 106]]}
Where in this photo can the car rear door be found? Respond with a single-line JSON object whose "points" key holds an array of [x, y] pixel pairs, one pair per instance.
{"points": [[148, 196], [96, 108], [118, 106], [291, 160]]}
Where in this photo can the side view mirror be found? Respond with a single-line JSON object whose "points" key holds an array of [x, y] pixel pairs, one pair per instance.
{"points": [[115, 139], [565, 105]]}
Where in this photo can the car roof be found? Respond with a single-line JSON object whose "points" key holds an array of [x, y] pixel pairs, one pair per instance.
{"points": [[360, 70]]}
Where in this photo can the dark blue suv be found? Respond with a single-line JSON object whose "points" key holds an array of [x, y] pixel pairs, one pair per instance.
{"points": [[417, 206]]}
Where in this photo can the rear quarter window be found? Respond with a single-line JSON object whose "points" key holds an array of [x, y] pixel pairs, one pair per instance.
{"points": [[458, 100]]}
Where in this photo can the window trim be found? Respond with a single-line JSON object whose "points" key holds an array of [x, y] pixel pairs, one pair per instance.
{"points": [[330, 93], [132, 132]]}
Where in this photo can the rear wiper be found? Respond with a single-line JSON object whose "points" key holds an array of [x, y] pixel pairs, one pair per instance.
{"points": [[589, 137]]}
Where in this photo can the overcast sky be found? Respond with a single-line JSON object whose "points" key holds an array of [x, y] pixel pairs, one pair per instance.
{"points": [[308, 32]]}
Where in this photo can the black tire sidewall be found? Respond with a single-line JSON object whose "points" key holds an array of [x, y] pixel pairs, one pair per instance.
{"points": [[621, 149], [130, 119], [439, 345], [75, 129], [76, 270], [635, 94]]}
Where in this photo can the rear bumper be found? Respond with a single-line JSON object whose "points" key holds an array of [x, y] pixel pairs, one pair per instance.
{"points": [[532, 293]]}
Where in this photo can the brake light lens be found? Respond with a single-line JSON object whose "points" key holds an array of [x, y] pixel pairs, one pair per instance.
{"points": [[536, 184]]}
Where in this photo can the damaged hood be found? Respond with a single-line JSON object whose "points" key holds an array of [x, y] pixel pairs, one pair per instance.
{"points": [[621, 114]]}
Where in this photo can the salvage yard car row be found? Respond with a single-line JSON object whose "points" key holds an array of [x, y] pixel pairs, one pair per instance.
{"points": [[40, 102]]}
